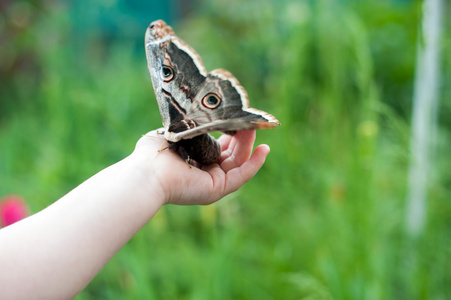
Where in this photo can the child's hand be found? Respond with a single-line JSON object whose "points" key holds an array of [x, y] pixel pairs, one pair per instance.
{"points": [[182, 184]]}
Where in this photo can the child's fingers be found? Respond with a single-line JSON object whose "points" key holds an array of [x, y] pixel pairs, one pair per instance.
{"points": [[241, 151], [236, 177]]}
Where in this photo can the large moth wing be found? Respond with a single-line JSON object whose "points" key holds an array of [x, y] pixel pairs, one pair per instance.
{"points": [[193, 102]]}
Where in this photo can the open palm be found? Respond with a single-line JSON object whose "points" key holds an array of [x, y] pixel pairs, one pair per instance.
{"points": [[183, 184]]}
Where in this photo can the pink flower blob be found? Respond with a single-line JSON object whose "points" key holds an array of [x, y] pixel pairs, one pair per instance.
{"points": [[12, 209]]}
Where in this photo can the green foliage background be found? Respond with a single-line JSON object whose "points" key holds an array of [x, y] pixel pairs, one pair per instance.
{"points": [[323, 219]]}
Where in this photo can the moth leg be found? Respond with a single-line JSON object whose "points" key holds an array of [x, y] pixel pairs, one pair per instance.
{"points": [[185, 156], [182, 152], [163, 148], [188, 162], [160, 132]]}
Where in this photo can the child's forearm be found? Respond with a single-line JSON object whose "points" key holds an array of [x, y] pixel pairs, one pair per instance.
{"points": [[78, 234]]}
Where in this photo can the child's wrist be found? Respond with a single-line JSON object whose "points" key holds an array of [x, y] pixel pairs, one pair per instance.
{"points": [[146, 175]]}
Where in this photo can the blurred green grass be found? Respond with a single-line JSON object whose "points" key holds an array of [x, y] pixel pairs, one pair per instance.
{"points": [[323, 219]]}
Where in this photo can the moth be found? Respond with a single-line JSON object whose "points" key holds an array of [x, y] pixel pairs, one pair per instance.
{"points": [[194, 102]]}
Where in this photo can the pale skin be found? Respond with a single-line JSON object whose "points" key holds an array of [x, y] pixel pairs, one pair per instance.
{"points": [[56, 252]]}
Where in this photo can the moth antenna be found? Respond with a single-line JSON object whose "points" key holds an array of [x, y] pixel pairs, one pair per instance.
{"points": [[151, 136]]}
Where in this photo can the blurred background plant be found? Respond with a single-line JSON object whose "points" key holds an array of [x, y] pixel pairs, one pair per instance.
{"points": [[323, 219]]}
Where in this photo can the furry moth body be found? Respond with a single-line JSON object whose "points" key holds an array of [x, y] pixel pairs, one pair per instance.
{"points": [[192, 101]]}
